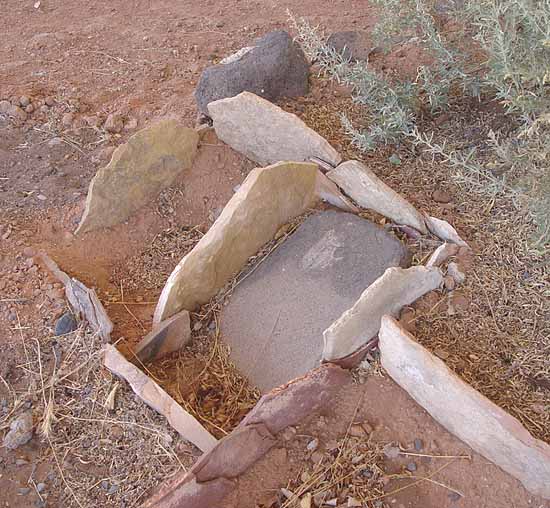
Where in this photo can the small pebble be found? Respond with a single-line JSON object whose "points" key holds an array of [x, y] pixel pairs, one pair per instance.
{"points": [[21, 462], [391, 452], [313, 445], [24, 101], [440, 196], [40, 487], [65, 324], [50, 101], [112, 489], [411, 466], [418, 444], [23, 491]]}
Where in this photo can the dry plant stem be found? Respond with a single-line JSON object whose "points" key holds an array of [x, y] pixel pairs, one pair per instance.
{"points": [[391, 493]]}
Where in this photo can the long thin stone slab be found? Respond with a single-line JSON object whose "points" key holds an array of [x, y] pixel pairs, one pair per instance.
{"points": [[155, 397], [368, 191], [466, 413], [265, 133], [268, 198], [396, 288], [275, 318], [138, 171]]}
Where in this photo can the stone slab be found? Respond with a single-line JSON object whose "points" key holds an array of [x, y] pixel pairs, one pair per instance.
{"points": [[466, 413], [441, 254], [443, 230], [184, 491], [368, 191], [275, 318], [396, 288], [83, 301], [268, 198], [165, 337], [265, 133], [155, 397], [138, 171], [289, 404], [235, 453], [273, 67]]}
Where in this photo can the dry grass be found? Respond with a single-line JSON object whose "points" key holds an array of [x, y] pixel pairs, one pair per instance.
{"points": [[108, 447], [501, 345]]}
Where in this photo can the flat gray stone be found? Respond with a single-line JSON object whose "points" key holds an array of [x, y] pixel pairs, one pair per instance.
{"points": [[275, 319]]}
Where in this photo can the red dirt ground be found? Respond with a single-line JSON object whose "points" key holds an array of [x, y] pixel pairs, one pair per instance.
{"points": [[142, 59]]}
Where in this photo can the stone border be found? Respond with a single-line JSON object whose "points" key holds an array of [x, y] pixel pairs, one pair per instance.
{"points": [[213, 475], [463, 411]]}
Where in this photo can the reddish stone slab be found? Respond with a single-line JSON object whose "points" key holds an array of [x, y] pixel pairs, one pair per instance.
{"points": [[291, 403]]}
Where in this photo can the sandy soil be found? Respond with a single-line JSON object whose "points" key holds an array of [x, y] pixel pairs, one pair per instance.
{"points": [[80, 61]]}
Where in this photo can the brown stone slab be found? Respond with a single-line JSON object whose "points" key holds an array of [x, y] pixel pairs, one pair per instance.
{"points": [[185, 492], [235, 453], [137, 172], [166, 337], [294, 401], [466, 413]]}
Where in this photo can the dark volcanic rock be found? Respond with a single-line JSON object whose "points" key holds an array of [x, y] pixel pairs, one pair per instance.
{"points": [[65, 324], [274, 67]]}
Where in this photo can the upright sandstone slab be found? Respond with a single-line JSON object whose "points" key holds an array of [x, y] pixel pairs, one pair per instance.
{"points": [[368, 191], [138, 171], [487, 428], [387, 295], [268, 198], [265, 133]]}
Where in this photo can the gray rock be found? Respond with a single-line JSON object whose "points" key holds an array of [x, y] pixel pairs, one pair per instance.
{"points": [[265, 133], [275, 318], [275, 67], [40, 487], [20, 431], [351, 45], [391, 452], [23, 491], [411, 466], [418, 444], [65, 324]]}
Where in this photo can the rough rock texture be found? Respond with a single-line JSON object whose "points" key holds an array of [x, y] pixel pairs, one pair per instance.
{"points": [[268, 198], [274, 67], [65, 324], [396, 288], [166, 337], [267, 134], [184, 491], [289, 404], [233, 455], [138, 171], [487, 428], [368, 191], [442, 229], [441, 254], [20, 431], [275, 318], [83, 301], [352, 45], [328, 191], [155, 397]]}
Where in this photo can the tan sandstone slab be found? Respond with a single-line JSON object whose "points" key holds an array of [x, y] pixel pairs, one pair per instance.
{"points": [[487, 428], [442, 229], [396, 288], [138, 171], [268, 198], [265, 133], [368, 191], [328, 191], [155, 397], [441, 254]]}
